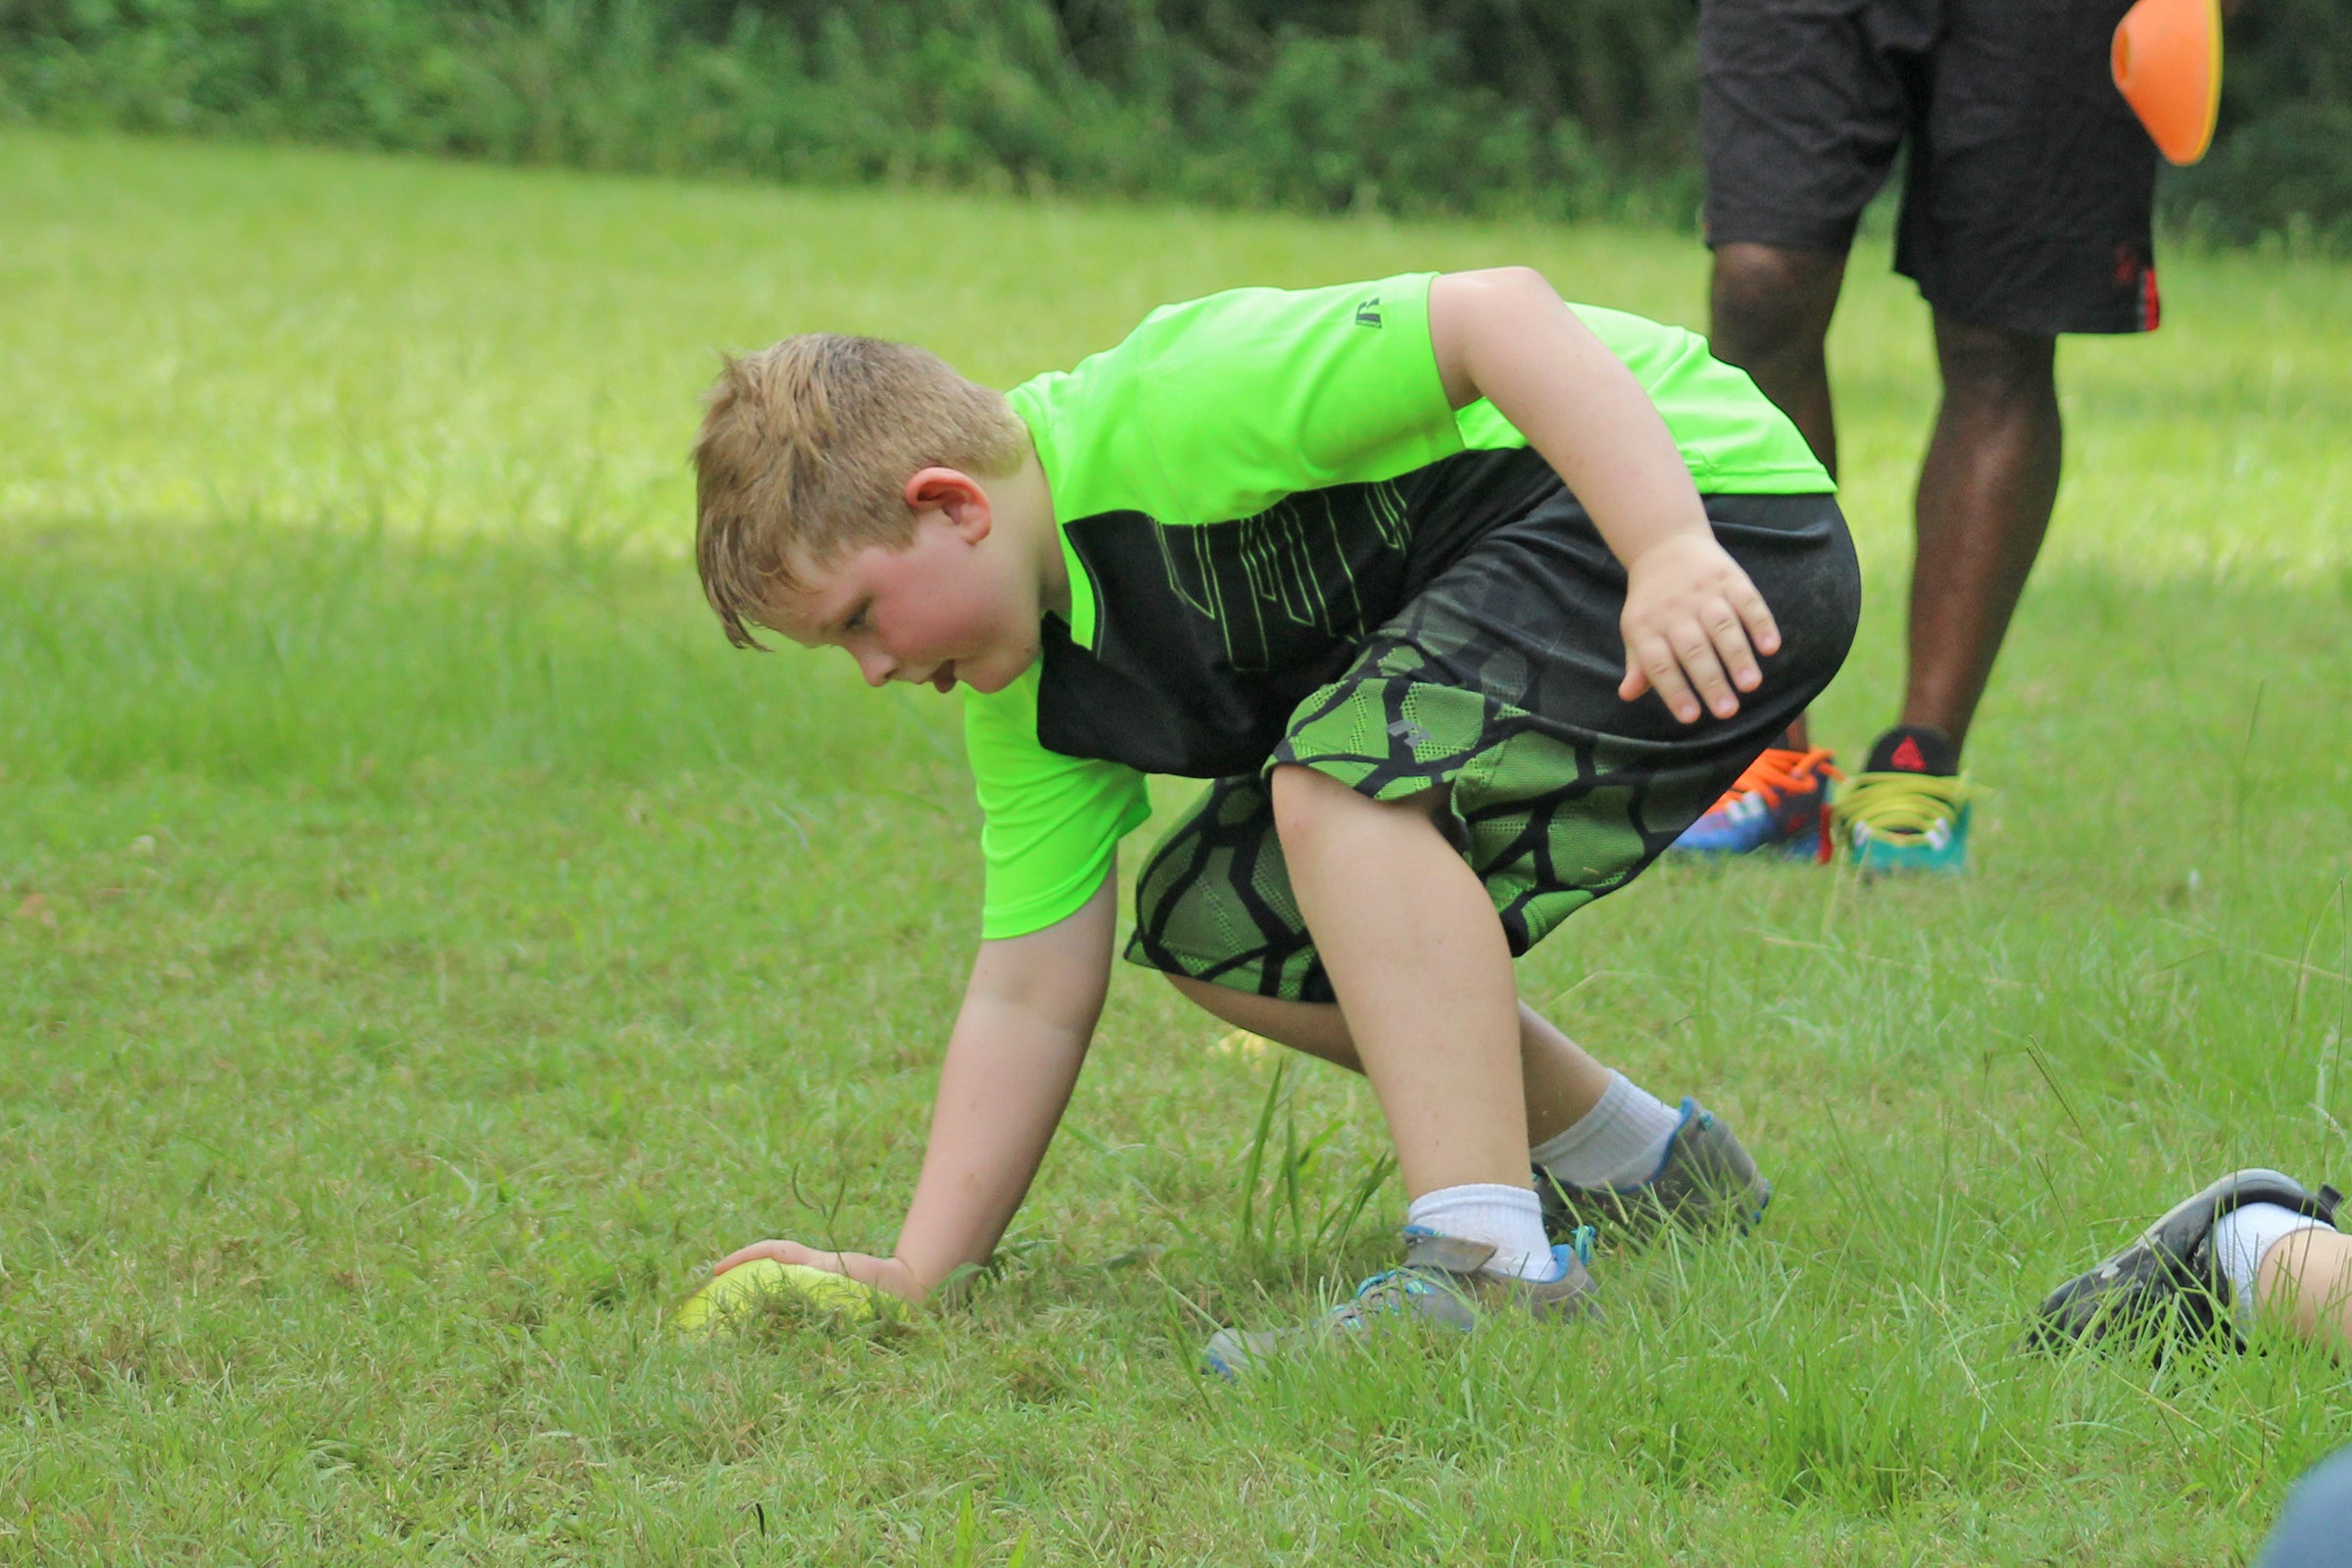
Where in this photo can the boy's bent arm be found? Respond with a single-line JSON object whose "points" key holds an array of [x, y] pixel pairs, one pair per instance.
{"points": [[1690, 612], [1020, 1036]]}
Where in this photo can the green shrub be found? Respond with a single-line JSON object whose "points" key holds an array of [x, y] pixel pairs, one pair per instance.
{"points": [[1409, 106]]}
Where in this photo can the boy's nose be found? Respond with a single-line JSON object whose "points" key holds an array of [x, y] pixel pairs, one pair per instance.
{"points": [[875, 668]]}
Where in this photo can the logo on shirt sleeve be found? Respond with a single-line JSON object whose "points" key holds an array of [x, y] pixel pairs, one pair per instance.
{"points": [[1368, 313]]}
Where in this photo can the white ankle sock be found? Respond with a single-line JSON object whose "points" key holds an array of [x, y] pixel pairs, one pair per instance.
{"points": [[1509, 1220], [1618, 1143], [2241, 1236]]}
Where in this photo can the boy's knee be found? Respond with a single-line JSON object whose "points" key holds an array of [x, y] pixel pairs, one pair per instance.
{"points": [[1307, 801], [1304, 801]]}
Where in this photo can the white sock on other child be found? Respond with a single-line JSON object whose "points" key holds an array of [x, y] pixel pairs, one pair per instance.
{"points": [[2241, 1236], [1509, 1220], [1618, 1143]]}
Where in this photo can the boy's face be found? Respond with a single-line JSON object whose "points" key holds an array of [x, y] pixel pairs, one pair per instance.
{"points": [[944, 608]]}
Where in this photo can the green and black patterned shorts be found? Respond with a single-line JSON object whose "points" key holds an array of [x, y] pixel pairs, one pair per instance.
{"points": [[1496, 684]]}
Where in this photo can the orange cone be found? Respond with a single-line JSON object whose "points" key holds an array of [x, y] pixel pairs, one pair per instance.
{"points": [[2168, 66]]}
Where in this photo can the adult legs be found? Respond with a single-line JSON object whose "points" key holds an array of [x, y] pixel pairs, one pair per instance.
{"points": [[1769, 310], [1985, 490], [1986, 486]]}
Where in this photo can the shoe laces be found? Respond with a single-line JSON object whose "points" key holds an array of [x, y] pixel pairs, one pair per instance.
{"points": [[1393, 1283], [1781, 771], [1902, 806], [1411, 1281]]}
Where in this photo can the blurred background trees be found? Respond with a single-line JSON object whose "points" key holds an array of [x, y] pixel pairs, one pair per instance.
{"points": [[1549, 108]]}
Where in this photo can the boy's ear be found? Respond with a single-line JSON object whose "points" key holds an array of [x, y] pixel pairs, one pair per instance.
{"points": [[957, 496]]}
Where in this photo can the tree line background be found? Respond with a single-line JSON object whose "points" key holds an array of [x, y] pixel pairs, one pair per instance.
{"points": [[1550, 108]]}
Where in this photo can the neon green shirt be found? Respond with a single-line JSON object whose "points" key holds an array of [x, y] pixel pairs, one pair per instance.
{"points": [[1245, 487]]}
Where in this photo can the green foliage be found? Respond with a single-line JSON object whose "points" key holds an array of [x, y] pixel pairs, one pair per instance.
{"points": [[1445, 107], [1407, 106]]}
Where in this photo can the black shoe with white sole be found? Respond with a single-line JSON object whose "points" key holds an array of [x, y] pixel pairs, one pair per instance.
{"points": [[2168, 1284]]}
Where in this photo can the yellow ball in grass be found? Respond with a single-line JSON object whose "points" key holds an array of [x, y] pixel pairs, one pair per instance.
{"points": [[733, 1297]]}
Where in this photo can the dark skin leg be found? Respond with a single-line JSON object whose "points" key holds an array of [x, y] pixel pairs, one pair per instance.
{"points": [[1984, 496], [1770, 309], [1985, 487]]}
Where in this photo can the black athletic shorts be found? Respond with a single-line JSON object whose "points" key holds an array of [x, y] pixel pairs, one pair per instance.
{"points": [[1496, 685], [2027, 192]]}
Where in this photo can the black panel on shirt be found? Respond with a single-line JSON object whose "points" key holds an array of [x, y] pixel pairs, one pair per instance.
{"points": [[1208, 635]]}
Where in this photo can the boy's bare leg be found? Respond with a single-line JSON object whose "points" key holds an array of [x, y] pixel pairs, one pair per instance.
{"points": [[2307, 1279], [1984, 496], [1423, 974], [1560, 1081]]}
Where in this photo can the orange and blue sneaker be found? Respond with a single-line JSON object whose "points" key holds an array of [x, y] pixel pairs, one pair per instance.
{"points": [[1908, 811], [1779, 804]]}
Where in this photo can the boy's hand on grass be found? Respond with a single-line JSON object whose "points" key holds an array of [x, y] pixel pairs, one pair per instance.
{"points": [[882, 1273], [1692, 620]]}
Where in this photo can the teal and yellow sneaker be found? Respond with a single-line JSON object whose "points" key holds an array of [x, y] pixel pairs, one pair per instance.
{"points": [[1779, 805], [1908, 811]]}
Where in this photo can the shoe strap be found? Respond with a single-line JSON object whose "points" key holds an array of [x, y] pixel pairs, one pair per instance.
{"points": [[1450, 1255]]}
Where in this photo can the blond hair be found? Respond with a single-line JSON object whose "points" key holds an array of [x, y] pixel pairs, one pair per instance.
{"points": [[804, 453]]}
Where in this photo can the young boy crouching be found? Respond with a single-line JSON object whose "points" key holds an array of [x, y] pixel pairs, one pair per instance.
{"points": [[1466, 602]]}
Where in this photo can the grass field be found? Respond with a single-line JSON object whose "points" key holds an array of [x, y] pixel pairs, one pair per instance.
{"points": [[423, 946]]}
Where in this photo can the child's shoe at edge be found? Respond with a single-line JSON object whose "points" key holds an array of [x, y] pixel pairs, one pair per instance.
{"points": [[1705, 1181], [1441, 1281], [2168, 1283]]}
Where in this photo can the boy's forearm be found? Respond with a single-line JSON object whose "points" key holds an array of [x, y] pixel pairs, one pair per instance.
{"points": [[1002, 1092], [1013, 1060], [1507, 336]]}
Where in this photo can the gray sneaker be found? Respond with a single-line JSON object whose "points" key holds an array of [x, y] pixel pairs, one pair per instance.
{"points": [[1439, 1281], [2168, 1283], [1704, 1181]]}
